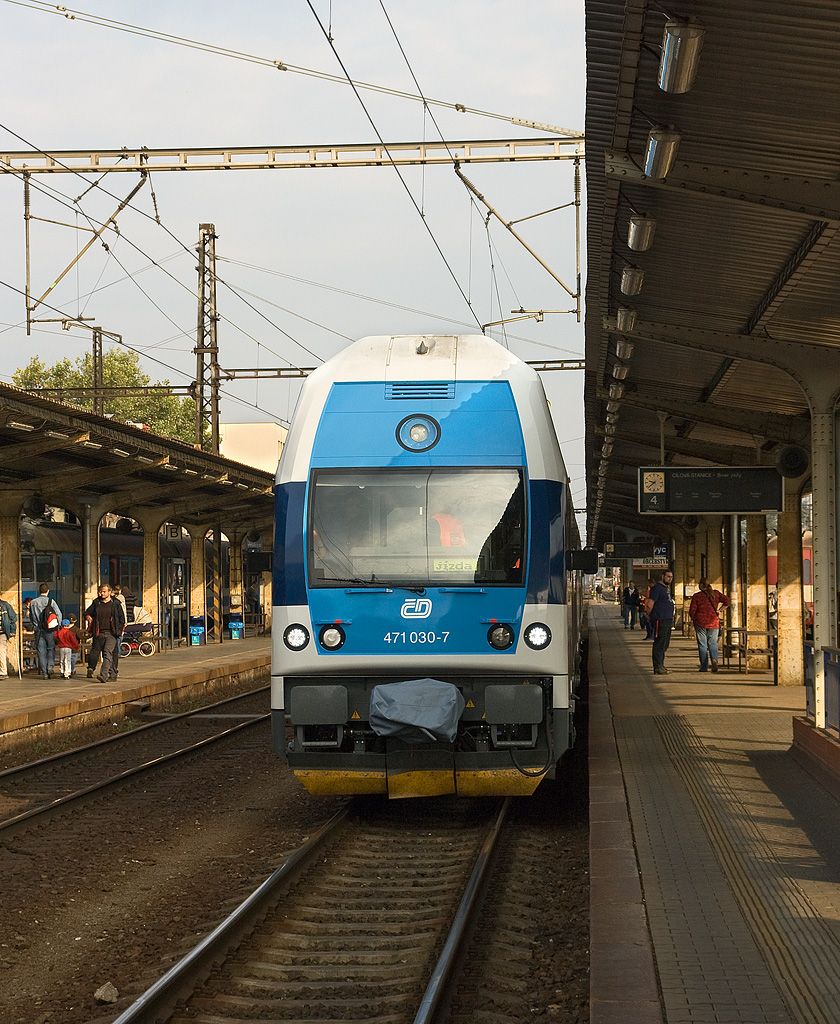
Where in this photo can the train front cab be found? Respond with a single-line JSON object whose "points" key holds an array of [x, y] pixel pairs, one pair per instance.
{"points": [[420, 533], [496, 627]]}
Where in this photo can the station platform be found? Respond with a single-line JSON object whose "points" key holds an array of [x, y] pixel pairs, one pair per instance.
{"points": [[714, 854], [33, 707]]}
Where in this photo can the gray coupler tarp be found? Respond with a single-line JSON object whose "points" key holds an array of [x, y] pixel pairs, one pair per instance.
{"points": [[416, 711]]}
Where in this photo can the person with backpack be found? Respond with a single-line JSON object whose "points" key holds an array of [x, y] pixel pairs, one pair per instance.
{"points": [[105, 621], [8, 629], [46, 620]]}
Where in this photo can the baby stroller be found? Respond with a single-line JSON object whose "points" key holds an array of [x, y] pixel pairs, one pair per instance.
{"points": [[134, 640]]}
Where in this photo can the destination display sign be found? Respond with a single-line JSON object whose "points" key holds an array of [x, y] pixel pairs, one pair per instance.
{"points": [[650, 563], [741, 490], [635, 549]]}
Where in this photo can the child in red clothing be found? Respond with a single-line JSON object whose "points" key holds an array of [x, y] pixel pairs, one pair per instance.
{"points": [[66, 643]]}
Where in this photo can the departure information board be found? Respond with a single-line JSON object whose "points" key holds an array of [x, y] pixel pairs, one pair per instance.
{"points": [[679, 490], [636, 549]]}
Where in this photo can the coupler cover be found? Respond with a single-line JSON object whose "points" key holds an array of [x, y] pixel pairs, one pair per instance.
{"points": [[416, 711]]}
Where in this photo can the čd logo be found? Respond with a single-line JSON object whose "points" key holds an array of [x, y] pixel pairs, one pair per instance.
{"points": [[416, 608]]}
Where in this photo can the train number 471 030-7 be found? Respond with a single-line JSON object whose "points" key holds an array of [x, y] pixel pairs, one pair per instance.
{"points": [[416, 637]]}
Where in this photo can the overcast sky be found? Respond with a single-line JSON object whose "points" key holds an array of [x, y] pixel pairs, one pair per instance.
{"points": [[343, 234]]}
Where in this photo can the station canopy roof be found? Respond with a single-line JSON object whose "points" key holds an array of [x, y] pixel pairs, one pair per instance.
{"points": [[745, 241], [67, 457]]}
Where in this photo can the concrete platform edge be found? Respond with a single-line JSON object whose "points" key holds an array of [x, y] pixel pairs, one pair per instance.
{"points": [[818, 752], [18, 729], [623, 982]]}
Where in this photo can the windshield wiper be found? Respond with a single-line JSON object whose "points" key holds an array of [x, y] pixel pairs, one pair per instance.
{"points": [[400, 586], [374, 582], [353, 580]]}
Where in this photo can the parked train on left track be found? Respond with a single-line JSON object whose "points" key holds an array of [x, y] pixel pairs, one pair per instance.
{"points": [[426, 613]]}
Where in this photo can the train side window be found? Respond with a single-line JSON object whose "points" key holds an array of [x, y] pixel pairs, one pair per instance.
{"points": [[27, 568], [45, 568]]}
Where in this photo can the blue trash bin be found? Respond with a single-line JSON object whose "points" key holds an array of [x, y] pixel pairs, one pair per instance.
{"points": [[198, 631], [236, 629]]}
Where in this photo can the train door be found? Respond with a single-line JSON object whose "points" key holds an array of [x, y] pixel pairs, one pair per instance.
{"points": [[68, 584], [173, 591]]}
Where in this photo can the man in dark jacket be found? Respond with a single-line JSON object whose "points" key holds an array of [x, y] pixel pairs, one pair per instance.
{"points": [[660, 608], [105, 622], [630, 603], [8, 629]]}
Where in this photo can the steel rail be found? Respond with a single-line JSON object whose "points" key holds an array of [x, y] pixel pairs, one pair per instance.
{"points": [[184, 977], [181, 979], [124, 737], [10, 824], [444, 970]]}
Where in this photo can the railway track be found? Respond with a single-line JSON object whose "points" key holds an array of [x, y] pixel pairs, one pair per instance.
{"points": [[30, 792], [364, 922]]}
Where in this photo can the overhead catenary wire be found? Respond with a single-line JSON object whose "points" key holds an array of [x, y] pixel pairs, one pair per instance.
{"points": [[167, 366], [379, 301], [426, 110], [403, 182], [71, 204], [291, 312], [87, 295], [71, 14]]}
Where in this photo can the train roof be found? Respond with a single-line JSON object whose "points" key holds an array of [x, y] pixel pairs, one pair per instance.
{"points": [[426, 357], [455, 357]]}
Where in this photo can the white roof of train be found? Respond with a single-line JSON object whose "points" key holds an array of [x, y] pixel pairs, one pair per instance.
{"points": [[462, 357]]}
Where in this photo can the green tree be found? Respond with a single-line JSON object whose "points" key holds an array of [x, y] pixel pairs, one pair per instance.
{"points": [[165, 414]]}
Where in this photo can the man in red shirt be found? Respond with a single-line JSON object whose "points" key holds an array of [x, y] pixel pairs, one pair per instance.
{"points": [[703, 612]]}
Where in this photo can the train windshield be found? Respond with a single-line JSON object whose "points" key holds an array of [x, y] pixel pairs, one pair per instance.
{"points": [[418, 528]]}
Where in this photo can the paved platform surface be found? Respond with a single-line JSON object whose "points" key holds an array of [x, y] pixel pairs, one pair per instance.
{"points": [[34, 701], [715, 857]]}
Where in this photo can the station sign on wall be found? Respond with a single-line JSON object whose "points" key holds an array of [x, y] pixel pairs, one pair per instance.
{"points": [[678, 490], [636, 549], [650, 563]]}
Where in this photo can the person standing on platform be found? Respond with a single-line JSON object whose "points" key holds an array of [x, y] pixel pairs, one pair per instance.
{"points": [[66, 642], [8, 631], [43, 612], [598, 591], [703, 612], [130, 603], [105, 622], [660, 608], [644, 618], [630, 602], [79, 651], [117, 595]]}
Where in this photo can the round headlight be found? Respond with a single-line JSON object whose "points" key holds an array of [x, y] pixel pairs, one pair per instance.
{"points": [[332, 637], [500, 636], [538, 636], [418, 433], [296, 637]]}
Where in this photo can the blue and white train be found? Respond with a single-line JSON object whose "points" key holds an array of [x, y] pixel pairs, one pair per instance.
{"points": [[424, 536]]}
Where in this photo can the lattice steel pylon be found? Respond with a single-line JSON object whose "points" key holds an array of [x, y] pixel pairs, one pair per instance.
{"points": [[207, 344], [98, 373]]}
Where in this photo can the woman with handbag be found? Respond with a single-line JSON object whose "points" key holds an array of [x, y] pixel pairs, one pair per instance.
{"points": [[703, 612]]}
